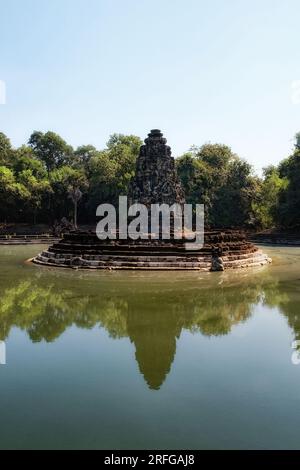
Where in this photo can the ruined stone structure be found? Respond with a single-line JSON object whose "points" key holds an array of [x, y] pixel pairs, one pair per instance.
{"points": [[155, 181], [221, 251]]}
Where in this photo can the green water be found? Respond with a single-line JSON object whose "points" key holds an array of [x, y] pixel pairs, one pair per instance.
{"points": [[122, 360]]}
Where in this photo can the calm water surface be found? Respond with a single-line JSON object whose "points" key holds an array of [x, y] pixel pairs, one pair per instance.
{"points": [[149, 360]]}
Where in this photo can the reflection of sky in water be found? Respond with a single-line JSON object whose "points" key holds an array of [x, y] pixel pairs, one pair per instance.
{"points": [[213, 349]]}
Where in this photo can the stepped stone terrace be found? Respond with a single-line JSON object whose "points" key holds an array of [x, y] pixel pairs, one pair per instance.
{"points": [[221, 250]]}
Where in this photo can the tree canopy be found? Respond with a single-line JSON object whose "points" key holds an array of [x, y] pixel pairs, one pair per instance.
{"points": [[41, 182]]}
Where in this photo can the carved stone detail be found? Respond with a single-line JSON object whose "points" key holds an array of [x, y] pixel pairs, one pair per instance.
{"points": [[156, 179]]}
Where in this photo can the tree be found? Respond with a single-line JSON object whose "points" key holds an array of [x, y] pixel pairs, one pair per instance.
{"points": [[233, 201], [216, 177], [51, 149], [6, 151], [12, 195], [38, 191], [266, 204], [216, 156], [75, 195], [25, 159], [131, 142], [64, 181], [123, 150], [111, 170], [289, 200], [83, 155]]}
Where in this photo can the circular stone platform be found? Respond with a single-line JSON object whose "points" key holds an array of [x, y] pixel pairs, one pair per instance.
{"points": [[222, 250]]}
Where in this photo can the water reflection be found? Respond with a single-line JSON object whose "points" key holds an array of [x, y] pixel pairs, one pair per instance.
{"points": [[152, 316]]}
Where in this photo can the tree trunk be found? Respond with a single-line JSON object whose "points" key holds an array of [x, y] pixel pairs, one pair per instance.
{"points": [[75, 214]]}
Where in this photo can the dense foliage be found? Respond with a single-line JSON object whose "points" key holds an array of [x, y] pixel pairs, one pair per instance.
{"points": [[43, 180]]}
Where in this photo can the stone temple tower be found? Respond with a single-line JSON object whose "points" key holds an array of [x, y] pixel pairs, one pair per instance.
{"points": [[156, 180]]}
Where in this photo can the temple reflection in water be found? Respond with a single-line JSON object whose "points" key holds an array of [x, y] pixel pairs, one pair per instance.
{"points": [[151, 316]]}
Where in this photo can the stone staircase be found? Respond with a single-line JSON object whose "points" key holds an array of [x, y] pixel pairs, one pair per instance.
{"points": [[86, 251]]}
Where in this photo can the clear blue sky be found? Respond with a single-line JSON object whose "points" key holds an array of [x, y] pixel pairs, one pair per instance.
{"points": [[200, 70]]}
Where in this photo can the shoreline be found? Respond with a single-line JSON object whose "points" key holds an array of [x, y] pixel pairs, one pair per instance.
{"points": [[11, 240], [271, 239]]}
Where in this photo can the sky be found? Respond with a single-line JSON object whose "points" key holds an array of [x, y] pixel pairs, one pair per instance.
{"points": [[225, 71]]}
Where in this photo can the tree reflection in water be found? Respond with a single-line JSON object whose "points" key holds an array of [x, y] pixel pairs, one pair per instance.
{"points": [[151, 316]]}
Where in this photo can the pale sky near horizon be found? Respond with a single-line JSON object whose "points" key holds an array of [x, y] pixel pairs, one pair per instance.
{"points": [[200, 70]]}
